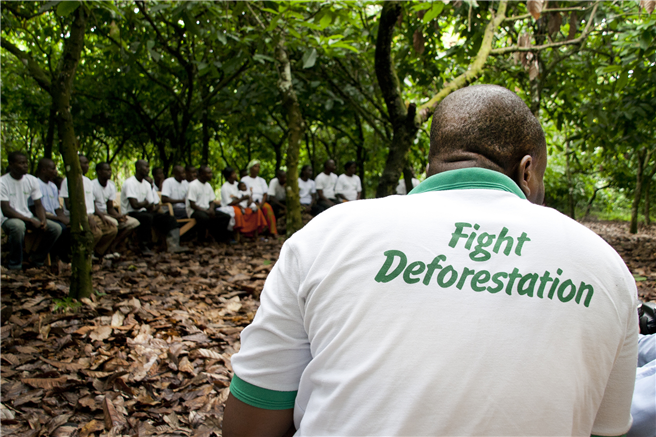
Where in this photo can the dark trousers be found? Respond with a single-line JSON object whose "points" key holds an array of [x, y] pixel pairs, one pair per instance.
{"points": [[278, 208], [323, 205], [16, 229], [163, 223], [62, 246], [217, 225]]}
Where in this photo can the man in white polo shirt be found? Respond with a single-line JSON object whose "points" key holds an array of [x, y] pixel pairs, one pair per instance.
{"points": [[174, 191], [138, 201], [104, 194], [348, 186], [103, 231], [16, 188], [325, 185], [307, 191], [485, 314], [200, 206]]}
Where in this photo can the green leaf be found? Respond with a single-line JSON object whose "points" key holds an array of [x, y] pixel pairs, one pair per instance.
{"points": [[623, 79], [273, 23], [611, 68], [434, 12], [639, 278], [266, 262], [48, 5], [221, 36], [422, 6], [326, 20], [65, 8], [343, 45], [309, 58], [262, 58]]}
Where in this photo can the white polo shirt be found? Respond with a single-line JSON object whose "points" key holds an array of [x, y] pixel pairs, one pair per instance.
{"points": [[482, 315], [276, 190], [201, 194], [348, 186], [102, 195], [400, 188], [133, 189], [305, 190], [88, 195], [17, 193], [258, 185], [175, 190], [327, 184]]}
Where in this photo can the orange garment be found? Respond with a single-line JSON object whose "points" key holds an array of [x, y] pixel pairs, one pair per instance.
{"points": [[270, 219], [249, 222]]}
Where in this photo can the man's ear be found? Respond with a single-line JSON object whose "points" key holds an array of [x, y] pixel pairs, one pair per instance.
{"points": [[525, 174]]}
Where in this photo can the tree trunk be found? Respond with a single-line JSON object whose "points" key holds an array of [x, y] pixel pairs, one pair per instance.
{"points": [[407, 179], [360, 154], [588, 208], [637, 195], [571, 205], [647, 205], [81, 237], [296, 129], [50, 135]]}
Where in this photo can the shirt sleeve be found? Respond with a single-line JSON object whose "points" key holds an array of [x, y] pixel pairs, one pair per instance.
{"points": [[225, 196], [35, 192], [4, 191], [129, 188], [613, 416], [275, 348], [192, 196], [166, 189], [63, 193], [313, 190], [112, 191], [339, 185], [154, 195], [211, 193], [265, 187], [359, 188], [272, 188]]}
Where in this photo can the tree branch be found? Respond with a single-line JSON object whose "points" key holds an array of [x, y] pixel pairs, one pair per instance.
{"points": [[578, 40], [32, 66], [525, 16], [474, 70]]}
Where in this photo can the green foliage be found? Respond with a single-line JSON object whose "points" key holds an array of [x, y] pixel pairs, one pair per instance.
{"points": [[66, 304]]}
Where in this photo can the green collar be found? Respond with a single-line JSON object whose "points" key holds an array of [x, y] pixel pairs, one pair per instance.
{"points": [[469, 179]]}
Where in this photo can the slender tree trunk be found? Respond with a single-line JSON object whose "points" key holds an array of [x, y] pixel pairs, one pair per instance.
{"points": [[647, 205], [296, 129], [50, 135], [360, 154], [592, 198], [81, 237], [571, 205], [637, 195], [407, 179]]}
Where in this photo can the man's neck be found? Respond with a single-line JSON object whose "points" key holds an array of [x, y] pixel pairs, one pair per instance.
{"points": [[178, 180], [102, 182], [44, 178], [304, 179], [16, 176], [139, 177], [327, 172]]}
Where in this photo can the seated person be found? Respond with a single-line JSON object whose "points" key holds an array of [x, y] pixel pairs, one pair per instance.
{"points": [[191, 173], [158, 178], [348, 186], [174, 191], [249, 222], [259, 190], [103, 231], [277, 194], [16, 187], [401, 189], [104, 195], [138, 202], [46, 172], [307, 192], [325, 185], [244, 193], [200, 206]]}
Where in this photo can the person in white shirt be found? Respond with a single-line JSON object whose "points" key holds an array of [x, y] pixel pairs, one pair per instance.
{"points": [[174, 191], [307, 191], [401, 188], [348, 186], [325, 184], [249, 221], [485, 314], [103, 230], [137, 201], [200, 206], [16, 187], [158, 178], [46, 172], [259, 190], [277, 193], [191, 173], [104, 194]]}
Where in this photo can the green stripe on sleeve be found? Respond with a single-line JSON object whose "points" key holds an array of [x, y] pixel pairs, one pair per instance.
{"points": [[261, 397]]}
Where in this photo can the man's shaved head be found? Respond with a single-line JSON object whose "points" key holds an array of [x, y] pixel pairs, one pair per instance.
{"points": [[484, 126]]}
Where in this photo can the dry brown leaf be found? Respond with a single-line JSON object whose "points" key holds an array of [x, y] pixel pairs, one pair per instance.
{"points": [[573, 26], [418, 41], [648, 5], [46, 383], [117, 319], [89, 402], [66, 366], [534, 71], [6, 413], [113, 419], [555, 21], [101, 333], [85, 330], [208, 353], [27, 349], [91, 427], [186, 366], [58, 421], [535, 8], [97, 373]]}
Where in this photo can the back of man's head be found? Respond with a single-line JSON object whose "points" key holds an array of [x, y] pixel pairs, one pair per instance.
{"points": [[483, 126]]}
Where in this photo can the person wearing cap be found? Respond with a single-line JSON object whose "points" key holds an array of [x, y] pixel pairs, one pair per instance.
{"points": [[486, 314], [259, 191]]}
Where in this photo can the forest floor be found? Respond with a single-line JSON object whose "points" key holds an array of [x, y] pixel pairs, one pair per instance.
{"points": [[149, 352]]}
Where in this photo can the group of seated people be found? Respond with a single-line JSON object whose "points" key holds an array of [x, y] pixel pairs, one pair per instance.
{"points": [[247, 206]]}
